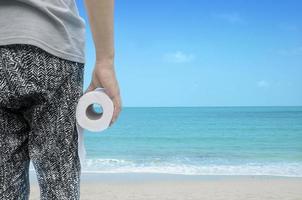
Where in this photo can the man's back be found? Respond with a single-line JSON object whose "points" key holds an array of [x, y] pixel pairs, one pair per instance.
{"points": [[53, 25]]}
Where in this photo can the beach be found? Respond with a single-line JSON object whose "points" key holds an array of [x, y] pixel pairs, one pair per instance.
{"points": [[150, 186], [195, 153]]}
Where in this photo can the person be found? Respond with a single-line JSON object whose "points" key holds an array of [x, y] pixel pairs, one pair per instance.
{"points": [[42, 62]]}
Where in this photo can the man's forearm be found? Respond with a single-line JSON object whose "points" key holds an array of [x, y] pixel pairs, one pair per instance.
{"points": [[101, 20]]}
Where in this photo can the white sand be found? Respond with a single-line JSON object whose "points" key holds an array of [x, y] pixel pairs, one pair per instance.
{"points": [[179, 187]]}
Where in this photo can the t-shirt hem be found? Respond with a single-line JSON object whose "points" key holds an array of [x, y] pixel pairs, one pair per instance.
{"points": [[42, 45]]}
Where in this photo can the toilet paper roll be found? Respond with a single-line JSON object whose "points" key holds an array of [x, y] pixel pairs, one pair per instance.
{"points": [[87, 118]]}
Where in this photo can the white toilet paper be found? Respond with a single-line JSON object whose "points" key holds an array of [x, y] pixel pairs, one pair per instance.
{"points": [[87, 118]]}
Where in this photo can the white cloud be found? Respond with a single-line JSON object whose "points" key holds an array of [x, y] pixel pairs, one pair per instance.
{"points": [[263, 84], [178, 57], [233, 18]]}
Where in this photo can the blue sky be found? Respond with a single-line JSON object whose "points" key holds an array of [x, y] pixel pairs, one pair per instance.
{"points": [[206, 53]]}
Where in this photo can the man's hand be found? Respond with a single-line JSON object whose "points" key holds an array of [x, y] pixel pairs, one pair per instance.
{"points": [[100, 15], [104, 76]]}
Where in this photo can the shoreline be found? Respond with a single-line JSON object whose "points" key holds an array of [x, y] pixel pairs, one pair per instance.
{"points": [[138, 176], [152, 176]]}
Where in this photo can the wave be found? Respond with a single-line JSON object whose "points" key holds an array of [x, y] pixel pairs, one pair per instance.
{"points": [[289, 169]]}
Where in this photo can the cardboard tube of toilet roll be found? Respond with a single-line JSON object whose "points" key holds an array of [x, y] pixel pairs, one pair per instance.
{"points": [[87, 118]]}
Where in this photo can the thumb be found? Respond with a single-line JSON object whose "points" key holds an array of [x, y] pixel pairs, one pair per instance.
{"points": [[91, 87]]}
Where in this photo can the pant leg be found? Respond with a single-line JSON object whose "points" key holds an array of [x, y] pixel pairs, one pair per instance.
{"points": [[53, 144], [53, 86], [14, 159]]}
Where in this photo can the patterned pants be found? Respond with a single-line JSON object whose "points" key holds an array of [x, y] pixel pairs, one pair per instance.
{"points": [[38, 98]]}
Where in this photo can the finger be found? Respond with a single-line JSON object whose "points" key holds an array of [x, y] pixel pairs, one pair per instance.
{"points": [[90, 88], [117, 109], [114, 117]]}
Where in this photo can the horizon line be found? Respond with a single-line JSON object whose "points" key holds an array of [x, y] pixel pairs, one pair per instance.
{"points": [[207, 106]]}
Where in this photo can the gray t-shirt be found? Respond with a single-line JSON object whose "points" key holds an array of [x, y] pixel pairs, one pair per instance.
{"points": [[53, 25]]}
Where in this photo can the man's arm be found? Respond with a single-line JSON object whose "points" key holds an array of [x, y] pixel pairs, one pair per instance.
{"points": [[101, 19], [100, 14]]}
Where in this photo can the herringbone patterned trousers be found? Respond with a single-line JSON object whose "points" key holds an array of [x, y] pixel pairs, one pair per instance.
{"points": [[38, 97]]}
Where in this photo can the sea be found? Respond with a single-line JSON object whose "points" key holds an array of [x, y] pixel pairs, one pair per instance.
{"points": [[199, 141]]}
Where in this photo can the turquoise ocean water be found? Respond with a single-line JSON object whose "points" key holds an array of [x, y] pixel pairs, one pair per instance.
{"points": [[201, 141]]}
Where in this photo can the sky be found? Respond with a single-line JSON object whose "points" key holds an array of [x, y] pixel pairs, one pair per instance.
{"points": [[205, 53]]}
